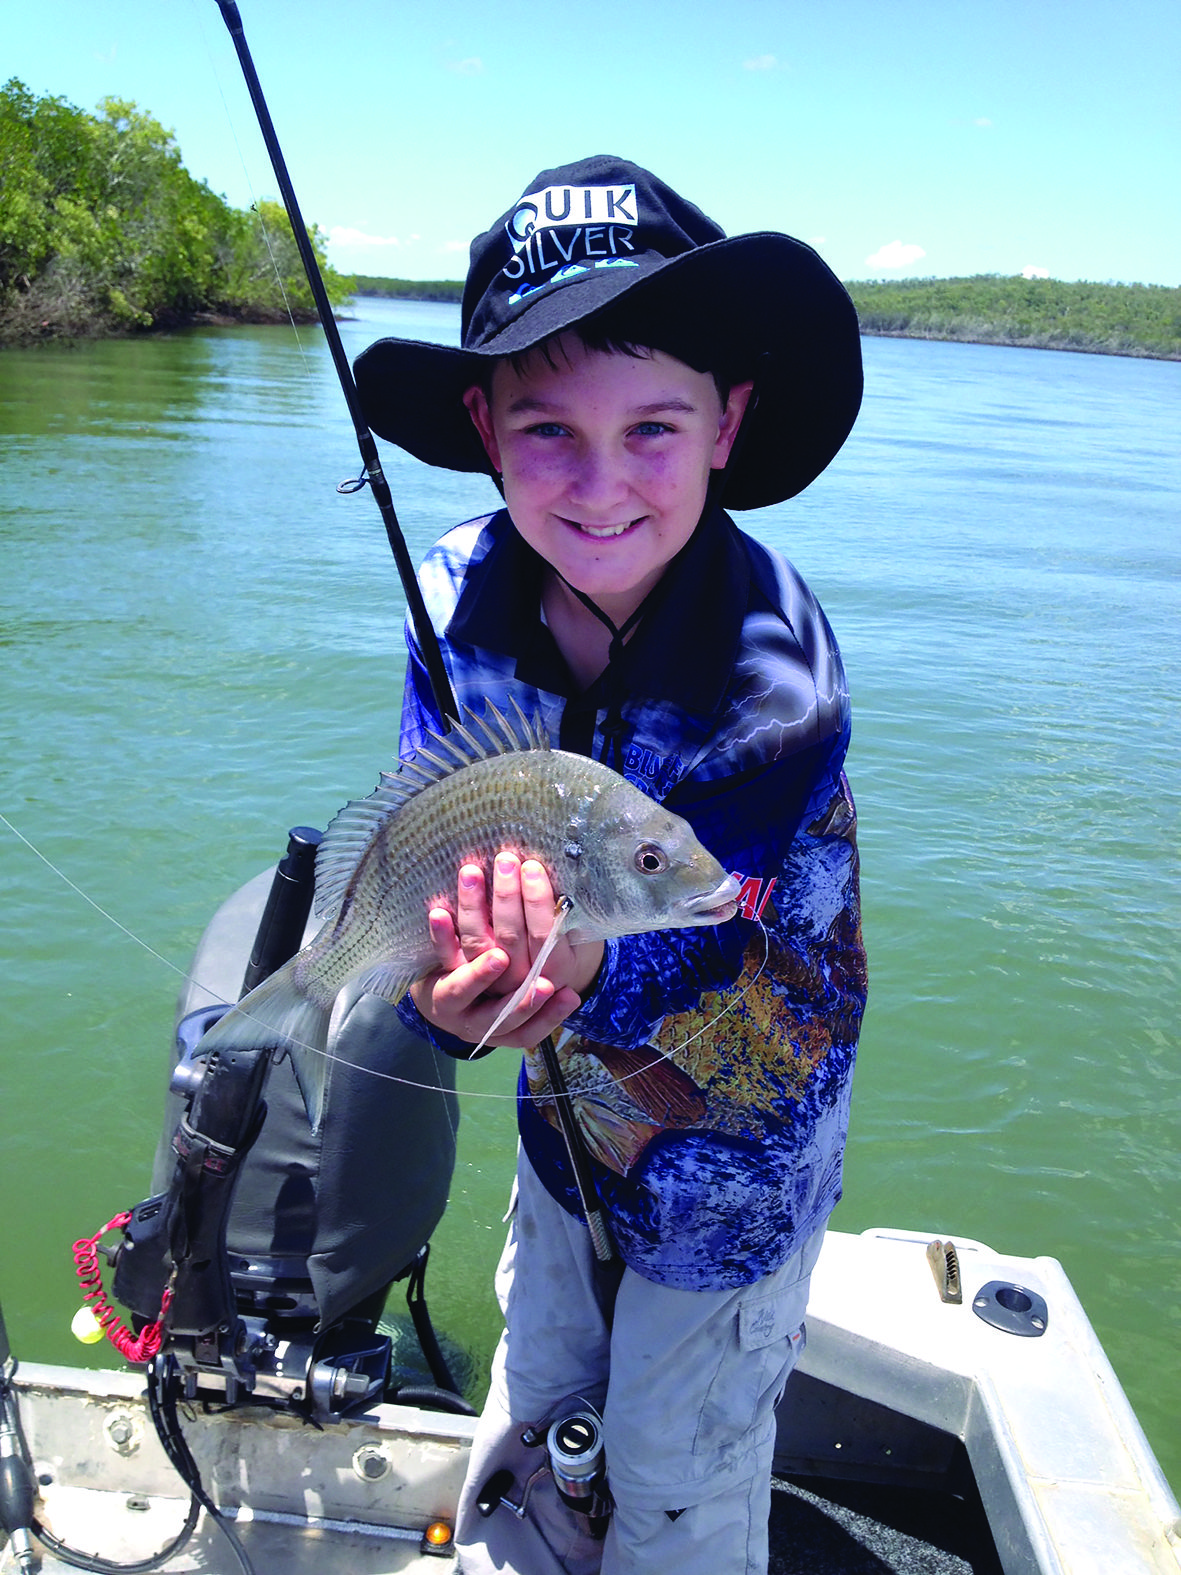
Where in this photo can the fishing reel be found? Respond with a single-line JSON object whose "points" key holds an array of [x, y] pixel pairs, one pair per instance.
{"points": [[575, 1460]]}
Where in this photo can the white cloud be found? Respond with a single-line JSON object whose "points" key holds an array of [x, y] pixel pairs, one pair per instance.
{"points": [[471, 66], [895, 254], [1032, 271], [760, 63], [342, 235], [984, 122], [817, 240]]}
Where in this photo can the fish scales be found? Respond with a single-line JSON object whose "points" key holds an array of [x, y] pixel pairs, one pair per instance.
{"points": [[623, 863], [412, 864]]}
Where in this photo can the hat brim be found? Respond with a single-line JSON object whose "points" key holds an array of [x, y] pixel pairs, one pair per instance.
{"points": [[761, 305]]}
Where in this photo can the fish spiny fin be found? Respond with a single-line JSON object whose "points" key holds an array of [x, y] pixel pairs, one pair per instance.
{"points": [[532, 729], [349, 837], [461, 750], [412, 767], [352, 831], [511, 740]]}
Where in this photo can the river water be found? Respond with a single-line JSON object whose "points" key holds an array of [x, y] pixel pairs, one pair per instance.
{"points": [[202, 647]]}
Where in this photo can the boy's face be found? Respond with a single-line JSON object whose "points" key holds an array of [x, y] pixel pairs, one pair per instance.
{"points": [[605, 460]]}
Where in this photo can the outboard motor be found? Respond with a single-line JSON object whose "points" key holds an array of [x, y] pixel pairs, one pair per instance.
{"points": [[275, 1247]]}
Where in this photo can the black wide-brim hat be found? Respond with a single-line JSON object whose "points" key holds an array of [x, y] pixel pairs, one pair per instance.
{"points": [[605, 244]]}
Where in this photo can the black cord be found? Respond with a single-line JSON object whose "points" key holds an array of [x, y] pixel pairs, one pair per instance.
{"points": [[62, 1550], [162, 1388], [91, 1561]]}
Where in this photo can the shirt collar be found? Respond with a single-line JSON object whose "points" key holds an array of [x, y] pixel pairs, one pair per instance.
{"points": [[683, 649]]}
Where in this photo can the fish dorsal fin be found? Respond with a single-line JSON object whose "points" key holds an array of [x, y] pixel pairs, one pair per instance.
{"points": [[354, 828]]}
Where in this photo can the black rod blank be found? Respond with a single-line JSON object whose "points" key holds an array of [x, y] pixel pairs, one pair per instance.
{"points": [[424, 630]]}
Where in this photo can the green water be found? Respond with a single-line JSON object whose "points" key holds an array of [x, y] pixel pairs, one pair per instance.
{"points": [[201, 646]]}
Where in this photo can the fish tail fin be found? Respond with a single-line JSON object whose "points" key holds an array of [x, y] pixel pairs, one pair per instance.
{"points": [[278, 1014]]}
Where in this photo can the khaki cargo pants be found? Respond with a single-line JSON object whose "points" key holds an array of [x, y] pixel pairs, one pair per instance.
{"points": [[686, 1382]]}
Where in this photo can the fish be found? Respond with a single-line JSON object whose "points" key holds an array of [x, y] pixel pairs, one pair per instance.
{"points": [[619, 862]]}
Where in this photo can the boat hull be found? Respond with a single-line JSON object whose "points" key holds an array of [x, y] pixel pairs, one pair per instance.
{"points": [[896, 1387]]}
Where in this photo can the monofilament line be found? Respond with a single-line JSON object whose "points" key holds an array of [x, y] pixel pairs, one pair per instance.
{"points": [[98, 907], [328, 1055], [387, 1077], [255, 208]]}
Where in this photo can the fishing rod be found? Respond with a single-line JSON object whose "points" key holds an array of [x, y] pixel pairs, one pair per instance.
{"points": [[607, 1269], [608, 1264], [428, 640]]}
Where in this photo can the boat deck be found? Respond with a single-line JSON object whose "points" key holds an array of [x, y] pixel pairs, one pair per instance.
{"points": [[816, 1529], [811, 1535], [358, 1496], [915, 1439], [826, 1528]]}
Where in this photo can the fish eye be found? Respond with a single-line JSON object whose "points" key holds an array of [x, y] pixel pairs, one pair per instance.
{"points": [[651, 860]]}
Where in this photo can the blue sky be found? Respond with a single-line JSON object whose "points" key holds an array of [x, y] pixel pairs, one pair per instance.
{"points": [[899, 137]]}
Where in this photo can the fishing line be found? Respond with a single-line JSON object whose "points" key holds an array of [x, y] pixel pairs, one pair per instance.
{"points": [[355, 1066], [216, 995], [538, 1099], [255, 206], [98, 908]]}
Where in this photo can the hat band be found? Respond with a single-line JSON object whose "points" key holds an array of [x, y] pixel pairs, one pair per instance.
{"points": [[567, 275]]}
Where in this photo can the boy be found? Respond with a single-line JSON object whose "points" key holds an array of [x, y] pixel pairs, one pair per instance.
{"points": [[626, 368]]}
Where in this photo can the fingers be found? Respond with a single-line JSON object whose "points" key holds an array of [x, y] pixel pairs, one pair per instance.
{"points": [[460, 1004], [545, 1019], [575, 966], [537, 902], [444, 940], [503, 922], [508, 913], [473, 925], [543, 1012], [485, 952]]}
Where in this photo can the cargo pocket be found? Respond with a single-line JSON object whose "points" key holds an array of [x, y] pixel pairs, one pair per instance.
{"points": [[765, 1339]]}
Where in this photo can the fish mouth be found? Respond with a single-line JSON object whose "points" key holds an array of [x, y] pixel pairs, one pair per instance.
{"points": [[718, 905]]}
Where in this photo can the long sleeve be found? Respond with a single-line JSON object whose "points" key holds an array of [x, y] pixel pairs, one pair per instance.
{"points": [[710, 1067]]}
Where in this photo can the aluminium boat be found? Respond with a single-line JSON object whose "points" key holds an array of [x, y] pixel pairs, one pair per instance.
{"points": [[953, 1412]]}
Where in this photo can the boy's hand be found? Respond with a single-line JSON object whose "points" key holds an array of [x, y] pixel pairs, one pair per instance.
{"points": [[485, 952]]}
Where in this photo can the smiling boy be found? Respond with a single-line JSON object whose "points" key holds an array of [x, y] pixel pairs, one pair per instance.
{"points": [[608, 457], [625, 369]]}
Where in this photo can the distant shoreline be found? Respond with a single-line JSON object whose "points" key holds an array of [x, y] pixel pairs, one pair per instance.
{"points": [[1135, 353], [1138, 320]]}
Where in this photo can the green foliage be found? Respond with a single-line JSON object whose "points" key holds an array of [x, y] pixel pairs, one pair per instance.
{"points": [[1119, 319], [409, 289], [103, 230], [1115, 319]]}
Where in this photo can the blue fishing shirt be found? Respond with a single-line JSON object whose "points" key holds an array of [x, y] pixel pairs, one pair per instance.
{"points": [[710, 1068]]}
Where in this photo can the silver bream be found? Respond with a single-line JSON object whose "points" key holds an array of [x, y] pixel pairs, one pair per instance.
{"points": [[622, 862]]}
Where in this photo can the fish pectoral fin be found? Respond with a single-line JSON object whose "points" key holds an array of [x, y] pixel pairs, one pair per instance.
{"points": [[389, 980], [521, 993]]}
